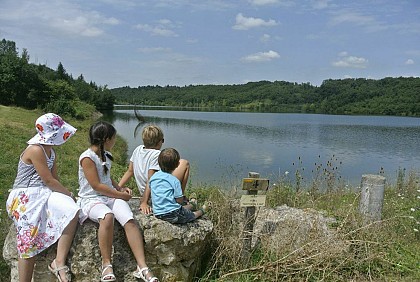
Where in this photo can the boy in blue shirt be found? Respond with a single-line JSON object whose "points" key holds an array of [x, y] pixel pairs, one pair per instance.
{"points": [[166, 192]]}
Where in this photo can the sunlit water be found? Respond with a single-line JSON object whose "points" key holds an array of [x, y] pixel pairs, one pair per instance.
{"points": [[223, 147]]}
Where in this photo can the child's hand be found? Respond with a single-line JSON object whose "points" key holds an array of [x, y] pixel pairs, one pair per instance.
{"points": [[125, 196], [145, 208], [126, 190]]}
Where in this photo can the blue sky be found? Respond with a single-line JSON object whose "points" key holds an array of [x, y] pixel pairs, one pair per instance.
{"points": [[179, 42]]}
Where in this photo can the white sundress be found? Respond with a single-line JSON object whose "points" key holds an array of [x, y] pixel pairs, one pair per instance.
{"points": [[39, 214]]}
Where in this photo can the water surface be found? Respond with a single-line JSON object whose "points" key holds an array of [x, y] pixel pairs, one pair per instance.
{"points": [[223, 147]]}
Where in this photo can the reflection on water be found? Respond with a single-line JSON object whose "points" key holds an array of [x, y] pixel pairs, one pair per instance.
{"points": [[225, 146]]}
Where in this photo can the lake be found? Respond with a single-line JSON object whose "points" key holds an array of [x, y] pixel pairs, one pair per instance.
{"points": [[223, 147]]}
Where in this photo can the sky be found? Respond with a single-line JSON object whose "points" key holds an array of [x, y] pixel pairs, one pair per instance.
{"points": [[180, 42]]}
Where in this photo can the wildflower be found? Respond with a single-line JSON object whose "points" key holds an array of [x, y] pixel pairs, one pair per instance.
{"points": [[416, 230], [286, 173], [412, 209]]}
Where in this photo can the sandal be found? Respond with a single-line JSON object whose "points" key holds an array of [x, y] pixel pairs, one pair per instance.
{"points": [[109, 276], [206, 207], [56, 271], [139, 274], [193, 201]]}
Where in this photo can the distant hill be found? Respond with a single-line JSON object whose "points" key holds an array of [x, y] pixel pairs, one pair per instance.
{"points": [[388, 96]]}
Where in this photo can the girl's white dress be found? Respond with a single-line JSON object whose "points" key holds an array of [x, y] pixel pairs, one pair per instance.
{"points": [[39, 214]]}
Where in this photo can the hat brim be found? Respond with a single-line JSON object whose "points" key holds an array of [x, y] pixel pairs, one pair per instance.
{"points": [[60, 137]]}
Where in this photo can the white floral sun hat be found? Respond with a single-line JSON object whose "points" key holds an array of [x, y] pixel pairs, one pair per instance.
{"points": [[52, 130]]}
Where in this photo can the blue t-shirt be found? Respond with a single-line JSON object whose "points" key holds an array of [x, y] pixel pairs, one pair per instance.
{"points": [[165, 188]]}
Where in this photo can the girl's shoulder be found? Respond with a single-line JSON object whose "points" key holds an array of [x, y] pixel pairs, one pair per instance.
{"points": [[88, 154]]}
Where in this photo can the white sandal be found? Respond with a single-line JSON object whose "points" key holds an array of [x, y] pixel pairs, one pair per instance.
{"points": [[109, 276], [139, 274], [56, 271]]}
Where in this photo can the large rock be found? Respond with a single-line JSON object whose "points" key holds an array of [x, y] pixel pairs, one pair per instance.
{"points": [[173, 252], [285, 229]]}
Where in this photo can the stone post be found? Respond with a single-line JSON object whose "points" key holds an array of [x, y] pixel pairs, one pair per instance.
{"points": [[372, 196]]}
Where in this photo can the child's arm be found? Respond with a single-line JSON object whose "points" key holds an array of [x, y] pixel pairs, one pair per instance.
{"points": [[180, 200], [127, 175], [91, 174], [36, 156], [144, 206], [121, 189]]}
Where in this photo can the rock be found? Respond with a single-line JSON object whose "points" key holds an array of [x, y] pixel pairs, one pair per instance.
{"points": [[286, 229], [173, 252]]}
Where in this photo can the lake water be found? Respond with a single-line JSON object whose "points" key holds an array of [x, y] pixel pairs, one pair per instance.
{"points": [[223, 147]]}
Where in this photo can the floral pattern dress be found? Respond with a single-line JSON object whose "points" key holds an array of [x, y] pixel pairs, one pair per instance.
{"points": [[39, 214]]}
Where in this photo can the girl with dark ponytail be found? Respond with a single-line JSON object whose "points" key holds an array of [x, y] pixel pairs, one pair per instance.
{"points": [[101, 200]]}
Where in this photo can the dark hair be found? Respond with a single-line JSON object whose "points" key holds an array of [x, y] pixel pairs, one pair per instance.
{"points": [[168, 160], [99, 133]]}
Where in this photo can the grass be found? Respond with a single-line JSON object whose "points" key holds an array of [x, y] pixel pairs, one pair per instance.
{"points": [[388, 250]]}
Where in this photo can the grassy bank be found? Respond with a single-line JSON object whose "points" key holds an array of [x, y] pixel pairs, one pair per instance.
{"points": [[383, 251]]}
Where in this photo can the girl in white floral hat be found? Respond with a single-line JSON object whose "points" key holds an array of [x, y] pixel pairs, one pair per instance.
{"points": [[43, 210]]}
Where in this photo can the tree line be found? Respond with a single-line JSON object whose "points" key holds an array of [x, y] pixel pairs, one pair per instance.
{"points": [[388, 96], [31, 86]]}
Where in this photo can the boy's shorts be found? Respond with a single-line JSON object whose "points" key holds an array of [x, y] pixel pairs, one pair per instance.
{"points": [[181, 215]]}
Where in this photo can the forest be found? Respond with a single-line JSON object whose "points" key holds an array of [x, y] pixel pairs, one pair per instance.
{"points": [[388, 96], [31, 86]]}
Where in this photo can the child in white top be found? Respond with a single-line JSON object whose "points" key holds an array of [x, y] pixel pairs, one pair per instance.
{"points": [[144, 163], [102, 199], [42, 209]]}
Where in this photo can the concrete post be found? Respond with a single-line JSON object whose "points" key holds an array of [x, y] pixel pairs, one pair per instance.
{"points": [[372, 196]]}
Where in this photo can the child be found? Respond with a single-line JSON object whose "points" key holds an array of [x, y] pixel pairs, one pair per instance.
{"points": [[167, 195], [42, 209], [144, 163], [102, 199]]}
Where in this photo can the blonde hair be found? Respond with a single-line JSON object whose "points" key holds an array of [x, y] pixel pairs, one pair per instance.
{"points": [[151, 135]]}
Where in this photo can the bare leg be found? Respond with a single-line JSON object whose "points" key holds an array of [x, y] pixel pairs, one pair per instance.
{"points": [[182, 172], [25, 269], [105, 238], [135, 240], [64, 244]]}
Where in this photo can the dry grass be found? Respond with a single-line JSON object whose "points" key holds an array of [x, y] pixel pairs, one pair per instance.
{"points": [[386, 250]]}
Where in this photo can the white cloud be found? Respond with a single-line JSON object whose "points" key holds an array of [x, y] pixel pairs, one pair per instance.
{"points": [[154, 49], [244, 23], [261, 57], [263, 2], [62, 18], [286, 3], [369, 23], [158, 30], [320, 4], [346, 61], [265, 38], [409, 62]]}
